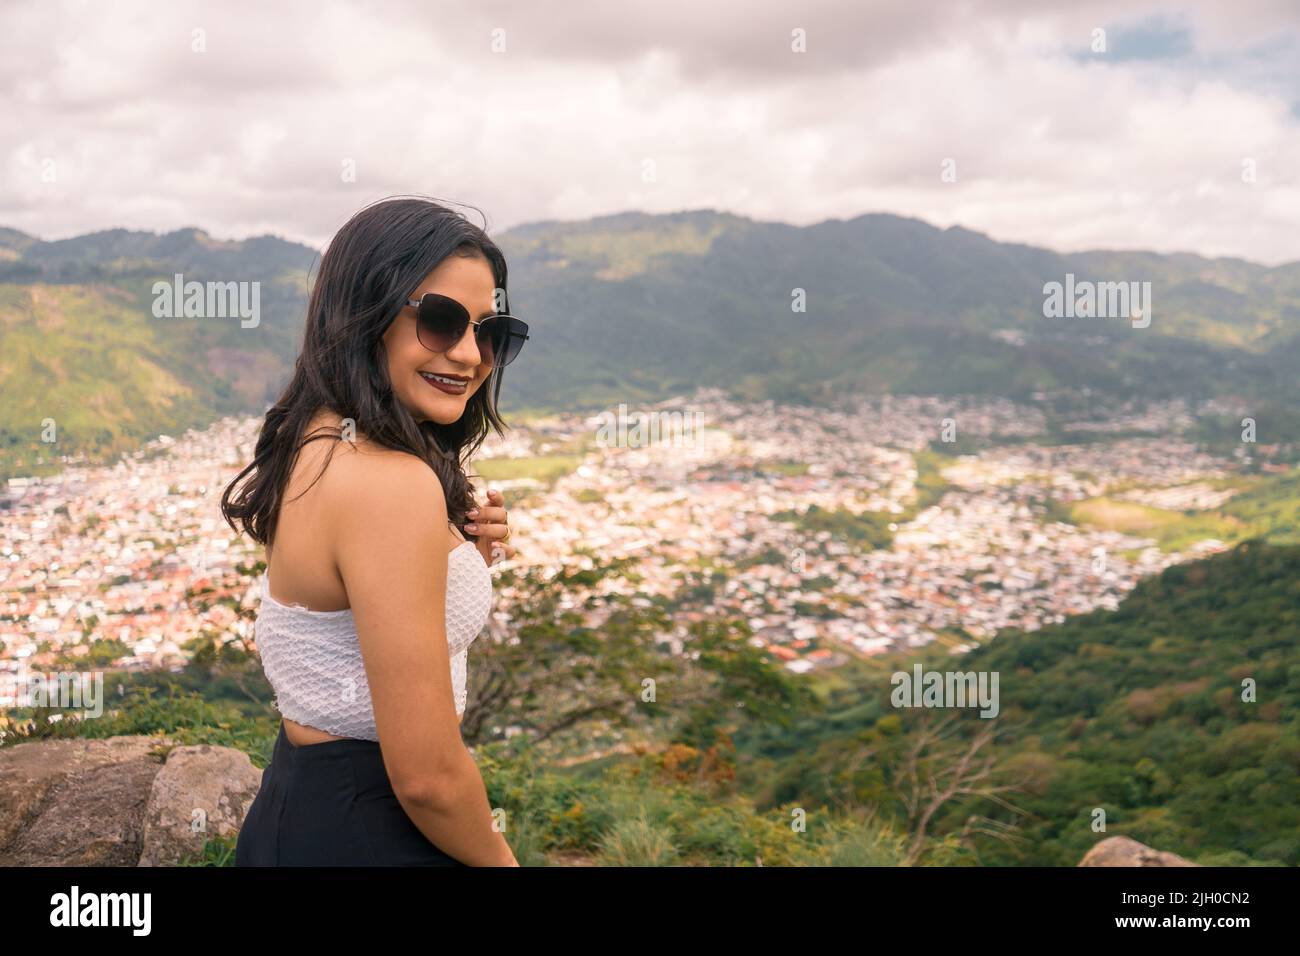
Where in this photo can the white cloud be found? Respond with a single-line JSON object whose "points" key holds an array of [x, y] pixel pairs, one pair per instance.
{"points": [[1053, 146]]}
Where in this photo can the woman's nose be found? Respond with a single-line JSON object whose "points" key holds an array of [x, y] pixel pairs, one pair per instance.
{"points": [[466, 351]]}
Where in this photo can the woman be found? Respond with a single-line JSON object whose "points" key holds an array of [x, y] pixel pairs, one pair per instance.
{"points": [[371, 594]]}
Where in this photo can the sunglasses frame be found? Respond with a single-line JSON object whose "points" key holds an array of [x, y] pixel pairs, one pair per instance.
{"points": [[418, 304]]}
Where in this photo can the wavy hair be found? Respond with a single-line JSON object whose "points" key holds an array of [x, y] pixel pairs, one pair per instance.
{"points": [[370, 269]]}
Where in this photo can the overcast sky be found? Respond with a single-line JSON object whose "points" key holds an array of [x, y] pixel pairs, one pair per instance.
{"points": [[121, 114]]}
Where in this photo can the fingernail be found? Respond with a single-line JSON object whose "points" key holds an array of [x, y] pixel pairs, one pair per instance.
{"points": [[471, 527], [472, 513]]}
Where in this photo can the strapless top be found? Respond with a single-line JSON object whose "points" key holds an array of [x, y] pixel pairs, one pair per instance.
{"points": [[313, 659]]}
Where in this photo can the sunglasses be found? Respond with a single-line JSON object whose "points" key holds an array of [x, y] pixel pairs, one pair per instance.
{"points": [[441, 322]]}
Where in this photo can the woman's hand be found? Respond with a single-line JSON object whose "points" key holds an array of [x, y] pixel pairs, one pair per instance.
{"points": [[489, 524]]}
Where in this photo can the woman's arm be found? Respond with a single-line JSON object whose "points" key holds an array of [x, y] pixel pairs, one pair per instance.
{"points": [[390, 546]]}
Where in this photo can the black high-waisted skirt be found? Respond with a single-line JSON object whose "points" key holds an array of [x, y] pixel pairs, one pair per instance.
{"points": [[331, 804]]}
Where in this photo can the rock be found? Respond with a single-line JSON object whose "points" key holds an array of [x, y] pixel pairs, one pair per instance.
{"points": [[1123, 851], [119, 801], [74, 802], [200, 791]]}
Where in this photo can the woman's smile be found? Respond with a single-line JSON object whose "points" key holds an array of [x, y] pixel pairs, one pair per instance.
{"points": [[452, 385]]}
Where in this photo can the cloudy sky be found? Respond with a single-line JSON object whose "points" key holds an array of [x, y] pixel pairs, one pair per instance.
{"points": [[243, 118]]}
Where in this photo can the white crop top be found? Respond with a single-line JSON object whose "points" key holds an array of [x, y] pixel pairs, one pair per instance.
{"points": [[313, 658]]}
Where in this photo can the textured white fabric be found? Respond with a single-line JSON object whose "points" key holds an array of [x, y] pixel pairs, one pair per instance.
{"points": [[313, 658]]}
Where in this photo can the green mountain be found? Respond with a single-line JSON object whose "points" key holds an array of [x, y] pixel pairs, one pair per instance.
{"points": [[81, 347], [1176, 715], [635, 307], [652, 304]]}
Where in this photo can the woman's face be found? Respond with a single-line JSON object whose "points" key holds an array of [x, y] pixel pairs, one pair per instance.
{"points": [[470, 282]]}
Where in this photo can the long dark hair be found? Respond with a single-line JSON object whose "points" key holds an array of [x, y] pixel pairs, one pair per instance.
{"points": [[372, 265]]}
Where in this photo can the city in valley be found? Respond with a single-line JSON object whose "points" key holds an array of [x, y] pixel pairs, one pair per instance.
{"points": [[837, 533]]}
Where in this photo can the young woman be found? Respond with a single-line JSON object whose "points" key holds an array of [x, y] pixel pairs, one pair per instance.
{"points": [[372, 594]]}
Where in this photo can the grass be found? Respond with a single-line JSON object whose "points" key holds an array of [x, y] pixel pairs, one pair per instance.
{"points": [[1171, 530], [1267, 507], [672, 806], [544, 468], [86, 369]]}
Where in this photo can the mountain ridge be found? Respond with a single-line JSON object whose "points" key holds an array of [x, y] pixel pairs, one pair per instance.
{"points": [[638, 307], [532, 225]]}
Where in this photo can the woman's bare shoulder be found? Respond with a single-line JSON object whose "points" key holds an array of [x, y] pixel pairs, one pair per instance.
{"points": [[365, 476], [359, 477]]}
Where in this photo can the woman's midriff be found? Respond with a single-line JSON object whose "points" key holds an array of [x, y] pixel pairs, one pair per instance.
{"points": [[301, 735]]}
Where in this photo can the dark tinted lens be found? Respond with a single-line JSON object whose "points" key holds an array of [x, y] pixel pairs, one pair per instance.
{"points": [[518, 334], [500, 338], [441, 323]]}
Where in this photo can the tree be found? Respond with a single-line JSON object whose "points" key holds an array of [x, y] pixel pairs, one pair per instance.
{"points": [[939, 767]]}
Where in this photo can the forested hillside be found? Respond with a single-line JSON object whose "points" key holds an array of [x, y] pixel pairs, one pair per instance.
{"points": [[1141, 712], [635, 307]]}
